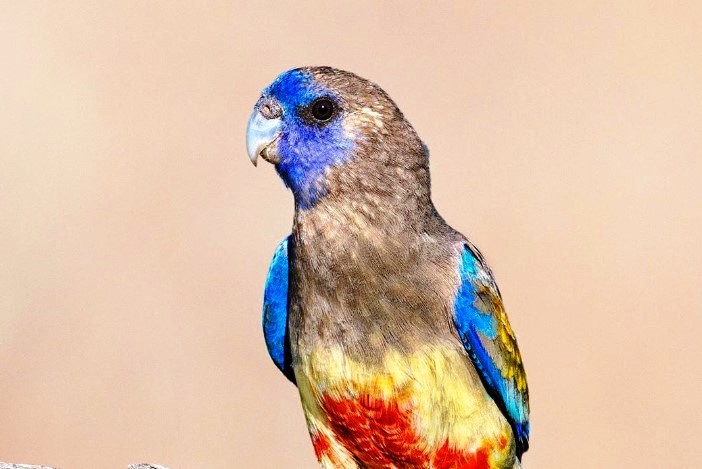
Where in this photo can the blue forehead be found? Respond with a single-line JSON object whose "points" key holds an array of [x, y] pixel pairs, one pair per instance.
{"points": [[294, 88], [306, 150]]}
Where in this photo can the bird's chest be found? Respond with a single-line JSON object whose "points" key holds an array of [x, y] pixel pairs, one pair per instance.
{"points": [[367, 291]]}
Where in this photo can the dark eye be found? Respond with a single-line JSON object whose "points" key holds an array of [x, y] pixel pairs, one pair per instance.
{"points": [[323, 109]]}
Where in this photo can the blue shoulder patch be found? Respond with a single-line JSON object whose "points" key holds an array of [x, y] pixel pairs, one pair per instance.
{"points": [[275, 311], [490, 343]]}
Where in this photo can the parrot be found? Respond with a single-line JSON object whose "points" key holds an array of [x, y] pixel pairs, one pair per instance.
{"points": [[387, 319]]}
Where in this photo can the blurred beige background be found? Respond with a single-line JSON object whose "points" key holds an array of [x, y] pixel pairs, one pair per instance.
{"points": [[135, 235]]}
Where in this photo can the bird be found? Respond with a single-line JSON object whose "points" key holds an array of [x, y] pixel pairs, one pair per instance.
{"points": [[388, 320]]}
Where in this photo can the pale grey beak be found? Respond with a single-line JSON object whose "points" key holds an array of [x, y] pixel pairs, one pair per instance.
{"points": [[263, 130]]}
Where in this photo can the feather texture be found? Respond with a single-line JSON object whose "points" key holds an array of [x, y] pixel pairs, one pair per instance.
{"points": [[275, 311], [485, 331], [384, 316]]}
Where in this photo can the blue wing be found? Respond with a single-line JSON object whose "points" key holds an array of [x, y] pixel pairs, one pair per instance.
{"points": [[275, 310], [488, 338]]}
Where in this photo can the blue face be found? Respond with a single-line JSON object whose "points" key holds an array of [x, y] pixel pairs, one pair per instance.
{"points": [[312, 136]]}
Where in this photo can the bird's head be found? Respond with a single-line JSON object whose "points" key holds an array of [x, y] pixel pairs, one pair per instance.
{"points": [[329, 132]]}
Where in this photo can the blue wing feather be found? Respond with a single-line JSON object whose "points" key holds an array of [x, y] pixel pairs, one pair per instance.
{"points": [[490, 343], [275, 310]]}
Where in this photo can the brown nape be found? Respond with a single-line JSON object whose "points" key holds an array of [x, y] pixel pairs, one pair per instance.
{"points": [[387, 180]]}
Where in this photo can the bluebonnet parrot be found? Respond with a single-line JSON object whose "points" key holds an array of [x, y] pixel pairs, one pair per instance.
{"points": [[387, 319]]}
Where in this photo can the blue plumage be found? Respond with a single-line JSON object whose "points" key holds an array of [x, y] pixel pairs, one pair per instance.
{"points": [[306, 150], [275, 310], [477, 316], [355, 302]]}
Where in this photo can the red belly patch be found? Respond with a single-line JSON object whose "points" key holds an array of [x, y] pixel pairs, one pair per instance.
{"points": [[451, 458], [377, 432], [381, 434]]}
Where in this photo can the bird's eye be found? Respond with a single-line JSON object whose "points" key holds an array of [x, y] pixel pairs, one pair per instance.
{"points": [[323, 109]]}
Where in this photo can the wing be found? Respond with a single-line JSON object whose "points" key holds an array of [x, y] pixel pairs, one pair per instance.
{"points": [[275, 311], [488, 338]]}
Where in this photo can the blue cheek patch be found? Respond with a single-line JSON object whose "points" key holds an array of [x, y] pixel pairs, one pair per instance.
{"points": [[306, 152], [306, 149]]}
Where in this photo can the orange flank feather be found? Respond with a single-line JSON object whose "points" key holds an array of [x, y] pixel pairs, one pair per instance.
{"points": [[321, 445]]}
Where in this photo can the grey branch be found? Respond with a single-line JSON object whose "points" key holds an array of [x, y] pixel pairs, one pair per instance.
{"points": [[144, 466], [4, 465]]}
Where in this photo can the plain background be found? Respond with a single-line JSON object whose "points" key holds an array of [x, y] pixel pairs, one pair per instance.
{"points": [[135, 235]]}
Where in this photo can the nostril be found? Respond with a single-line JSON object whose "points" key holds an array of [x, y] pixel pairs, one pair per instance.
{"points": [[270, 109]]}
